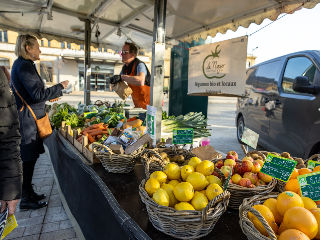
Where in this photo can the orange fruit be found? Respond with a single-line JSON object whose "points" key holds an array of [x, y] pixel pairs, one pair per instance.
{"points": [[316, 214], [294, 174], [308, 203], [293, 234], [301, 219], [287, 200], [316, 169], [293, 186], [268, 216], [271, 203], [303, 171]]}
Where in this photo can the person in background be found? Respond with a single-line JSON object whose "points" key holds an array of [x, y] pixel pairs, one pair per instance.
{"points": [[10, 160], [26, 81], [136, 74]]}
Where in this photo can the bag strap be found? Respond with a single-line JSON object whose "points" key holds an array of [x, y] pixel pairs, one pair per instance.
{"points": [[25, 103]]}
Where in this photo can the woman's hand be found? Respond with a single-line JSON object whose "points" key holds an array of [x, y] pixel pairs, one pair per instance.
{"points": [[65, 84]]}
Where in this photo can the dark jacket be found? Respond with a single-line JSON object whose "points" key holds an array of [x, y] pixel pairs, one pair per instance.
{"points": [[25, 78], [10, 161]]}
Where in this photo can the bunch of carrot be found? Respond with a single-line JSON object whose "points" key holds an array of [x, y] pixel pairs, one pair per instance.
{"points": [[96, 131]]}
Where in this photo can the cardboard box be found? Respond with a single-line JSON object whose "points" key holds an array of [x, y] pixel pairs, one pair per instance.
{"points": [[140, 142], [116, 148]]}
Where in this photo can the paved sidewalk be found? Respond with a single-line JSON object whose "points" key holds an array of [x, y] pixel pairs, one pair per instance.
{"points": [[49, 223]]}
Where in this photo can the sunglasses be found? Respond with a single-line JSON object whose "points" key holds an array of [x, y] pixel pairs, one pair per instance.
{"points": [[124, 52]]}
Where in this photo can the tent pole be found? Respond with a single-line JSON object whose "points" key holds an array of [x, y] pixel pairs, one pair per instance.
{"points": [[87, 63], [157, 69]]}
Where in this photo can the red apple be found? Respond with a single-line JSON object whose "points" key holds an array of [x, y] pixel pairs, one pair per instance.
{"points": [[264, 177], [230, 162], [247, 159], [246, 166], [234, 154], [256, 167], [216, 174], [252, 176], [230, 157], [219, 164], [237, 168], [225, 170], [261, 162], [245, 182]]}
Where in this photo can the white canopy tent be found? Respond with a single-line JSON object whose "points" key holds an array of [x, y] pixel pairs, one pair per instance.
{"points": [[148, 23]]}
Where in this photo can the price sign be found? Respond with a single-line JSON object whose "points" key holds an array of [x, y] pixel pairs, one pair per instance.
{"points": [[250, 137], [312, 164], [278, 167], [151, 122], [310, 185], [182, 136]]}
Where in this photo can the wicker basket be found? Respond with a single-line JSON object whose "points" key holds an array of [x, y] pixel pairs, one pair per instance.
{"points": [[314, 157], [247, 226], [184, 224], [116, 163]]}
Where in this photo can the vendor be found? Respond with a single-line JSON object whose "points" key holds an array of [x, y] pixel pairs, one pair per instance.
{"points": [[136, 74]]}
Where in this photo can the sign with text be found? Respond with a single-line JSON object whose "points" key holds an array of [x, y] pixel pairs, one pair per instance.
{"points": [[151, 122], [312, 164], [250, 137], [310, 185], [278, 167], [218, 69], [182, 136]]}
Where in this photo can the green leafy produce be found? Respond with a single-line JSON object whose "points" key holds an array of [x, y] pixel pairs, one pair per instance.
{"points": [[65, 112]]}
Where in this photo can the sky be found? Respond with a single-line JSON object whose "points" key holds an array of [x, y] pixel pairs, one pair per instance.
{"points": [[291, 33]]}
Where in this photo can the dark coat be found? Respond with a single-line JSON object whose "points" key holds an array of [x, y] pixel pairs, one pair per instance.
{"points": [[10, 161], [27, 81]]}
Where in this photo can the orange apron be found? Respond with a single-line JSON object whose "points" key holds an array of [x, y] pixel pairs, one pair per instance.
{"points": [[140, 94]]}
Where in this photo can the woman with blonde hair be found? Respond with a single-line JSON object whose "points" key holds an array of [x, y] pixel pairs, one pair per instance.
{"points": [[28, 87]]}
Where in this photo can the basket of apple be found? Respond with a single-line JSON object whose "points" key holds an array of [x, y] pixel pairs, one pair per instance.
{"points": [[246, 180]]}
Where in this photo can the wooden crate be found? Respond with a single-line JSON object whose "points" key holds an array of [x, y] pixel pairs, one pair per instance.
{"points": [[91, 157], [62, 129], [77, 144], [69, 134]]}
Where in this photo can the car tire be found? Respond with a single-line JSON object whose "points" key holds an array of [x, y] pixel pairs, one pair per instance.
{"points": [[240, 128]]}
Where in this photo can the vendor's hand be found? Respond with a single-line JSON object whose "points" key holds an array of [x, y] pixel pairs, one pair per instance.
{"points": [[10, 204], [125, 77], [65, 84]]}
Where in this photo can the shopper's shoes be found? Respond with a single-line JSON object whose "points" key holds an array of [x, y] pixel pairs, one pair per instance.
{"points": [[31, 204], [36, 196]]}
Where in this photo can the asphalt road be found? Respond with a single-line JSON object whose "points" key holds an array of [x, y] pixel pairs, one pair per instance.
{"points": [[221, 117]]}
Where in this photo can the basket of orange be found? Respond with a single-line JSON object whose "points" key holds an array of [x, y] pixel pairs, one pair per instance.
{"points": [[283, 216]]}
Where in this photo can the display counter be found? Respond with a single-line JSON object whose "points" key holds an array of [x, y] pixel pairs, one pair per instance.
{"points": [[108, 205]]}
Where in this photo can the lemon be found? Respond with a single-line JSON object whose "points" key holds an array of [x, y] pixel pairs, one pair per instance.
{"points": [[206, 167], [308, 203], [183, 206], [197, 180], [161, 197], [186, 170], [214, 179], [160, 176], [183, 192], [169, 189], [213, 190], [151, 186], [194, 161], [173, 182], [173, 171], [199, 201]]}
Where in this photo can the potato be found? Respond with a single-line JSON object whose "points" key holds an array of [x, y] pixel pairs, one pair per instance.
{"points": [[163, 155]]}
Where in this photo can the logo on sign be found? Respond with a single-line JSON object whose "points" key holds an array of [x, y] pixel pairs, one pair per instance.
{"points": [[211, 67]]}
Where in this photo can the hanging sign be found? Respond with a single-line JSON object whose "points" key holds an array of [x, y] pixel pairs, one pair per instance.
{"points": [[250, 138], [312, 164], [278, 167], [151, 122], [182, 136], [218, 68], [310, 185]]}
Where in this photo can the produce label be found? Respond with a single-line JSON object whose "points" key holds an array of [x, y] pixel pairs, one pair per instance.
{"points": [[151, 122], [278, 167], [310, 185], [218, 68], [182, 136], [312, 164], [250, 137]]}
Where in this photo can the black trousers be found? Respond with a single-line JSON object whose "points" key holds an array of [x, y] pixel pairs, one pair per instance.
{"points": [[28, 169]]}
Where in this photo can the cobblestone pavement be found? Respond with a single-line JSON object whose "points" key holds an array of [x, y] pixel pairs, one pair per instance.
{"points": [[49, 223]]}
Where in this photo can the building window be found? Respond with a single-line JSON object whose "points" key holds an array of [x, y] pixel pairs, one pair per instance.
{"points": [[5, 36], [81, 47], [100, 49], [42, 44], [49, 43], [63, 45], [105, 50], [69, 45], [0, 36]]}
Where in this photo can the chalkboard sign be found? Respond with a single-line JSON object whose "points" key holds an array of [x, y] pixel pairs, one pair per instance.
{"points": [[278, 167], [250, 137], [183, 136], [310, 185], [312, 164]]}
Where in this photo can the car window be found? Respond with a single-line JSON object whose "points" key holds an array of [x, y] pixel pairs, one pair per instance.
{"points": [[297, 66], [266, 76]]}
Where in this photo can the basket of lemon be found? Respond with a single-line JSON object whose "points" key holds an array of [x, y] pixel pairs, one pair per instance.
{"points": [[116, 163], [279, 217], [184, 202]]}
